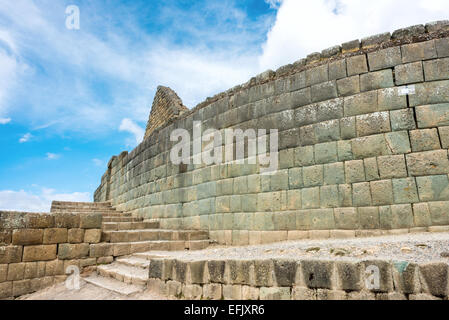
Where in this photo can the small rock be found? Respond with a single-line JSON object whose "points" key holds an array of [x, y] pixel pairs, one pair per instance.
{"points": [[444, 254], [313, 249], [406, 250], [422, 245]]}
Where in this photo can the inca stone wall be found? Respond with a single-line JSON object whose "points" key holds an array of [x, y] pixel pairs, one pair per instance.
{"points": [[363, 140]]}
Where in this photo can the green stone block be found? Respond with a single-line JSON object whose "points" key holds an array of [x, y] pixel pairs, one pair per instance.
{"points": [[310, 198], [433, 188], [322, 219], [284, 220], [425, 140], [326, 152], [295, 180], [327, 131], [329, 196], [398, 142], [402, 120], [334, 173], [363, 103], [381, 192], [302, 219], [279, 180], [371, 146], [268, 221], [361, 194], [249, 203], [304, 156], [421, 214], [313, 176], [371, 169], [427, 94], [286, 158], [391, 99], [409, 73], [405, 191], [264, 202], [265, 181], [402, 216], [385, 217], [346, 218], [354, 171], [376, 80], [392, 167], [369, 217], [347, 128], [294, 199], [439, 212], [254, 183], [345, 195], [344, 150]]}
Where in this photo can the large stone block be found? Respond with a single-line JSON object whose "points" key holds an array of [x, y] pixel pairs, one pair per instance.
{"points": [[101, 250], [405, 191], [322, 219], [428, 163], [376, 80], [442, 46], [317, 274], [285, 272], [239, 271], [402, 216], [378, 276], [334, 173], [439, 213], [373, 123], [217, 271], [433, 188], [310, 198], [435, 276], [436, 69], [436, 92], [357, 65], [346, 218], [419, 51], [349, 275], [385, 58], [421, 214], [326, 152], [337, 69], [67, 220], [360, 104], [313, 176], [324, 91], [348, 86], [275, 293], [91, 221], [391, 99], [263, 273], [392, 167], [27, 236], [317, 75], [369, 217], [55, 235], [39, 253], [409, 73], [73, 251], [406, 277], [361, 194], [354, 171], [382, 192]]}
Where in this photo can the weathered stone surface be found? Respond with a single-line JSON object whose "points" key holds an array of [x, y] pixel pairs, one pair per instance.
{"points": [[385, 58], [317, 274], [275, 293], [419, 51], [409, 73], [373, 123], [392, 167], [435, 276], [92, 236], [424, 140], [436, 69], [376, 80], [349, 275], [27, 236], [91, 221], [73, 251], [55, 235], [39, 253], [428, 163], [357, 65]]}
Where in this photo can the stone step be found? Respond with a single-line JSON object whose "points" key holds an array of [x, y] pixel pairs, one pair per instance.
{"points": [[114, 285], [121, 219], [112, 214], [102, 212], [125, 273], [117, 226], [134, 261], [121, 249], [153, 234]]}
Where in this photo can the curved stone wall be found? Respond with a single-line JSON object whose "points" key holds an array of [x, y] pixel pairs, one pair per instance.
{"points": [[363, 149]]}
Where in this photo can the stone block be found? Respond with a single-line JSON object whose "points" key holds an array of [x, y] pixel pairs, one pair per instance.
{"points": [[5, 237], [334, 173], [428, 163], [54, 268], [21, 288], [329, 196], [409, 32], [369, 217], [442, 46], [310, 198], [382, 192], [192, 292], [402, 120], [392, 167], [232, 292], [409, 73], [348, 86], [435, 277], [27, 236], [354, 171], [337, 69], [348, 128], [419, 51], [73, 251], [433, 188], [360, 104], [376, 80], [439, 213], [263, 273], [317, 75], [424, 140], [294, 199], [326, 131], [371, 169], [357, 65], [317, 274], [300, 293], [432, 115], [285, 272], [212, 291], [344, 150], [406, 277], [101, 250], [16, 271], [67, 220], [324, 91], [381, 268], [346, 218], [39, 221], [373, 123], [402, 216], [217, 271], [39, 253], [444, 136], [391, 99], [398, 142], [304, 156], [421, 214], [55, 235], [351, 46], [386, 58], [322, 219], [405, 191], [361, 194], [436, 92], [345, 195], [91, 221], [295, 179], [436, 69], [6, 290], [275, 293], [326, 152], [373, 41], [313, 176], [349, 275], [92, 235]]}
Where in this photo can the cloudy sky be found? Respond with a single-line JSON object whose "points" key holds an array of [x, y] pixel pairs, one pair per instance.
{"points": [[70, 99]]}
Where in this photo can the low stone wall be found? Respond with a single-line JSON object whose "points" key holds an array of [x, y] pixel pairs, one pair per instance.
{"points": [[36, 249], [277, 279]]}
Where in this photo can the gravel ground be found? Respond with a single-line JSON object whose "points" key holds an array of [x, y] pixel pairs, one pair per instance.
{"points": [[418, 248]]}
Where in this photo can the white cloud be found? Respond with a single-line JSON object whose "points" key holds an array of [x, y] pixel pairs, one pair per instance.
{"points": [[52, 156], [303, 26], [130, 126], [274, 3], [25, 138], [5, 120], [37, 202]]}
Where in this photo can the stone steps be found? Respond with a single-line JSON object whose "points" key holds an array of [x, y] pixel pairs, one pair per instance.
{"points": [[126, 248], [127, 273], [153, 234], [118, 226], [122, 219]]}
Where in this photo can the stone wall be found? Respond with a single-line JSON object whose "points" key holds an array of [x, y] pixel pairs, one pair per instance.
{"points": [[306, 279], [36, 249], [363, 139]]}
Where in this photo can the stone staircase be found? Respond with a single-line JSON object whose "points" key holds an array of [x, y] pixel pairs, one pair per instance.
{"points": [[133, 239]]}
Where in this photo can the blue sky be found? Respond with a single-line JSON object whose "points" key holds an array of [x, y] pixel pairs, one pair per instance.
{"points": [[70, 99]]}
